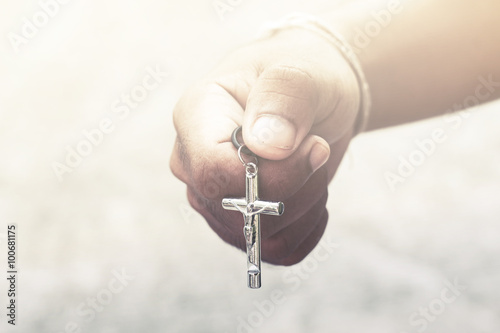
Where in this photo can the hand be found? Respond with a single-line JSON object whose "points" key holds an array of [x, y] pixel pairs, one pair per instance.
{"points": [[297, 99]]}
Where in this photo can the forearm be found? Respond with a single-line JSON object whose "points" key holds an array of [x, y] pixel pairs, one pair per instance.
{"points": [[428, 58]]}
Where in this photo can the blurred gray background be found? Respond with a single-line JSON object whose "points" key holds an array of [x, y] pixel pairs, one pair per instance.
{"points": [[122, 212]]}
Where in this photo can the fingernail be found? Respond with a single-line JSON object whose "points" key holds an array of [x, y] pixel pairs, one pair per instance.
{"points": [[318, 156], [274, 131]]}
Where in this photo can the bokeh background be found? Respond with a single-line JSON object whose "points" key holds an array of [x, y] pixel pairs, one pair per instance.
{"points": [[121, 209]]}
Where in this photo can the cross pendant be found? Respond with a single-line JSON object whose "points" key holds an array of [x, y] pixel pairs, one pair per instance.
{"points": [[251, 208]]}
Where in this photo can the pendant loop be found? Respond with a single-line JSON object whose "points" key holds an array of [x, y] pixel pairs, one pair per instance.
{"points": [[245, 163], [251, 169], [238, 145]]}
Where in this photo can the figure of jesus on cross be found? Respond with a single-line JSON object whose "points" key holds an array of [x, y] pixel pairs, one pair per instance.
{"points": [[251, 208]]}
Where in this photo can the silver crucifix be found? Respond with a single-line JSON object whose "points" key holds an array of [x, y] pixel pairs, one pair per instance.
{"points": [[251, 208]]}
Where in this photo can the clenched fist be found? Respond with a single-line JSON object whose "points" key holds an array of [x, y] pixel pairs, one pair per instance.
{"points": [[297, 99]]}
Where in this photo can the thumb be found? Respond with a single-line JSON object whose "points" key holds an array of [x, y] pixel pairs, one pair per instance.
{"points": [[280, 111]]}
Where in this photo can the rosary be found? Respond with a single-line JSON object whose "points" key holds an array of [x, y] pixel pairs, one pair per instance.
{"points": [[251, 208]]}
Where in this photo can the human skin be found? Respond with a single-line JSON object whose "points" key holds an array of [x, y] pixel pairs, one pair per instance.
{"points": [[298, 99]]}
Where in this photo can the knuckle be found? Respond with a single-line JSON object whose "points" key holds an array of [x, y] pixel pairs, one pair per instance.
{"points": [[179, 161], [208, 178], [289, 73], [292, 82], [199, 177], [202, 204], [279, 187], [177, 171], [284, 183], [279, 248], [196, 201]]}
